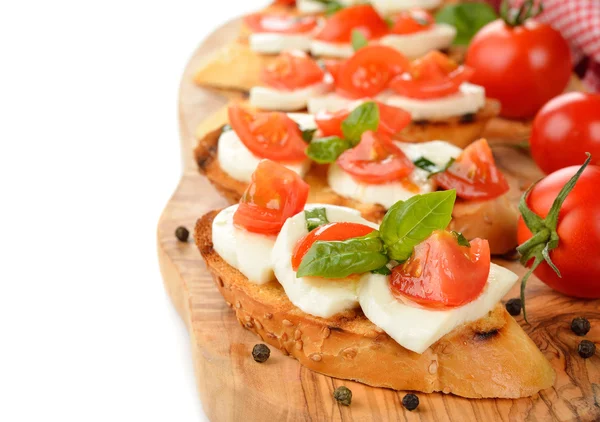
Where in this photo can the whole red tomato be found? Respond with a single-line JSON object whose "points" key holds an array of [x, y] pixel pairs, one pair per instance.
{"points": [[577, 255], [522, 66], [565, 129]]}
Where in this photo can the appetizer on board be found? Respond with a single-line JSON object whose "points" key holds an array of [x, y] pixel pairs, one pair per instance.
{"points": [[326, 286]]}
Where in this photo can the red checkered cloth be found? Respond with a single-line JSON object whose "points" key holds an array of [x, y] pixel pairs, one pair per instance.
{"points": [[579, 23]]}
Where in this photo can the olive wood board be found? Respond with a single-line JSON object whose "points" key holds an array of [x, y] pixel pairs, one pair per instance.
{"points": [[233, 387]]}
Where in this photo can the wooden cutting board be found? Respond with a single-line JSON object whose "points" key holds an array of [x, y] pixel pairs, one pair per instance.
{"points": [[234, 388]]}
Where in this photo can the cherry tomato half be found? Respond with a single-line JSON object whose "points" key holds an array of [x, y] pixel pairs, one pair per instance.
{"points": [[362, 17], [331, 231], [474, 174], [411, 21], [442, 273], [292, 70], [375, 160], [271, 135], [274, 194], [565, 129], [280, 23]]}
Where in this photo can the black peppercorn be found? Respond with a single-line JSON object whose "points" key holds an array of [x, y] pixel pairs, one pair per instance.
{"points": [[580, 326], [586, 349], [343, 395], [260, 353], [513, 306], [410, 401], [182, 234]]}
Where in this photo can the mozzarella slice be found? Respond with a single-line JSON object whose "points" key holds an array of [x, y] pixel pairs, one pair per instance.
{"points": [[390, 6], [387, 194], [313, 6], [469, 99], [314, 295], [249, 252], [273, 43], [329, 102], [417, 328], [239, 162], [267, 98], [415, 45], [331, 49]]}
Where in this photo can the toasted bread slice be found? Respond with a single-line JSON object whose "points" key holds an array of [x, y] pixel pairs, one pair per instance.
{"points": [[491, 357], [495, 220]]}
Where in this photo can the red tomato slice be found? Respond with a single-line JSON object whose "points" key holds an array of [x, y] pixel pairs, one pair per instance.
{"points": [[274, 194], [375, 160], [441, 273], [391, 120], [411, 21], [363, 18], [292, 70], [331, 231], [271, 135], [285, 2], [333, 67], [474, 174], [432, 76], [369, 70], [280, 23]]}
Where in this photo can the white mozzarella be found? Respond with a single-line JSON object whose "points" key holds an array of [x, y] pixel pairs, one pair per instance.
{"points": [[390, 6], [314, 295], [417, 328], [273, 43], [331, 49], [249, 252], [469, 99], [387, 194], [415, 45], [267, 98], [239, 162], [313, 6], [329, 102]]}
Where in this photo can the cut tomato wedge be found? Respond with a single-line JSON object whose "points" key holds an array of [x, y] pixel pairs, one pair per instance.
{"points": [[274, 194], [369, 70], [474, 174], [280, 23], [391, 120], [442, 273], [292, 70], [285, 2], [363, 18], [411, 21], [333, 66], [328, 232], [271, 135], [432, 76], [375, 160]]}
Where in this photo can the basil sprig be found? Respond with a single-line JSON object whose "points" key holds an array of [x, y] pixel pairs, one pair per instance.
{"points": [[408, 223], [467, 18], [461, 239], [358, 40], [362, 118], [315, 218], [338, 259], [425, 164], [308, 134], [331, 6]]}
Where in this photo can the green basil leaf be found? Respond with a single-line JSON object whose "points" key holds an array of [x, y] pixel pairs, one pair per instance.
{"points": [[331, 6], [389, 21], [338, 259], [467, 18], [362, 118], [358, 40], [308, 134], [383, 270], [327, 150], [425, 164], [315, 218], [446, 167], [462, 241], [408, 223]]}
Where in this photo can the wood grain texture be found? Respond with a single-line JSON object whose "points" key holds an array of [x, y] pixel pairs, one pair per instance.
{"points": [[233, 387]]}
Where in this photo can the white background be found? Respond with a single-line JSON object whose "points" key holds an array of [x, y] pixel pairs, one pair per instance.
{"points": [[89, 155]]}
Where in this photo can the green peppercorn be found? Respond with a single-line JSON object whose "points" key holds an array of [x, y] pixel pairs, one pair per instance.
{"points": [[410, 401], [513, 306], [182, 234], [580, 326], [586, 349], [343, 395], [260, 353]]}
